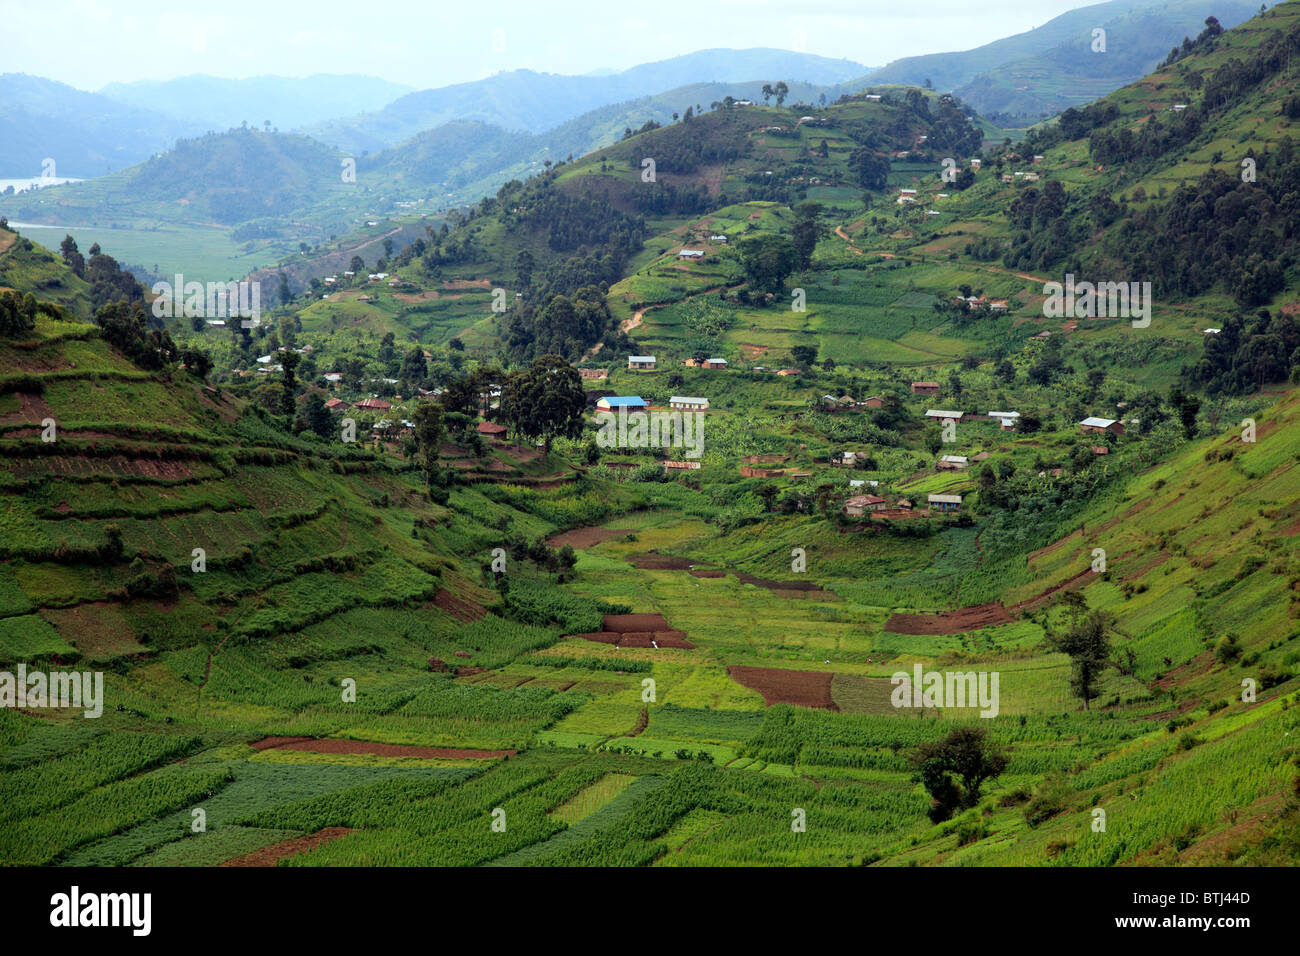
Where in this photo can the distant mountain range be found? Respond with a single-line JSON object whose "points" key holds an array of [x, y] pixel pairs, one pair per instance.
{"points": [[287, 103], [525, 101], [1045, 70], [85, 134]]}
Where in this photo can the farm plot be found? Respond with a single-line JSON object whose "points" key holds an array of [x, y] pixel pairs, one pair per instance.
{"points": [[780, 686], [950, 622]]}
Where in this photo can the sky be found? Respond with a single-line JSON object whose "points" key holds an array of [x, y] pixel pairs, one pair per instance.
{"points": [[430, 43]]}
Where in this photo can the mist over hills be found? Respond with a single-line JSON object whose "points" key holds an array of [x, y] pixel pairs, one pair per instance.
{"points": [[283, 101]]}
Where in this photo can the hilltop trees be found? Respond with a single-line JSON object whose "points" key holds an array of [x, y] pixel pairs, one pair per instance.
{"points": [[545, 401]]}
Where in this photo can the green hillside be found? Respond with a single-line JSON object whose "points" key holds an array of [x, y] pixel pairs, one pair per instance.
{"points": [[481, 634]]}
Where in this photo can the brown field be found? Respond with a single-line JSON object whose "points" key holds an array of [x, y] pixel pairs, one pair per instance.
{"points": [[333, 745], [801, 688], [580, 538], [459, 608], [638, 630], [97, 630], [635, 622], [271, 855], [950, 622]]}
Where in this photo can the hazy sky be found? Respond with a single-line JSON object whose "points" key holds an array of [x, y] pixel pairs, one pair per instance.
{"points": [[88, 43]]}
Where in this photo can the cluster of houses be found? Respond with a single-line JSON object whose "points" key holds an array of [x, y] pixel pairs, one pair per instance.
{"points": [[861, 505], [648, 363], [975, 302], [635, 403], [847, 404], [945, 416]]}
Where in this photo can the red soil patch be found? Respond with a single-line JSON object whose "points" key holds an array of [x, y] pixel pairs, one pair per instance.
{"points": [[950, 622], [801, 688], [638, 630], [708, 574], [1071, 584], [580, 538], [271, 855], [467, 284], [642, 722], [459, 608], [1198, 666], [623, 623], [674, 639], [334, 746]]}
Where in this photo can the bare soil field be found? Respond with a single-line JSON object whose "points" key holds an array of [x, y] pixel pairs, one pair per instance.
{"points": [[271, 855], [581, 538], [950, 622], [674, 639], [778, 686], [459, 608], [635, 622]]}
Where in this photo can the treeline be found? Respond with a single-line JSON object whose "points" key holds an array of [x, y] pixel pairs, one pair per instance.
{"points": [[1219, 229], [685, 147], [109, 282], [1249, 353], [565, 325], [18, 312]]}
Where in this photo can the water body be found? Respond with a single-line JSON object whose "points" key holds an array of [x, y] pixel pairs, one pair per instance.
{"points": [[46, 225]]}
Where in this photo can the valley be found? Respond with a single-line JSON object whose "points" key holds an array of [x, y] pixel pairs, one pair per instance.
{"points": [[367, 590]]}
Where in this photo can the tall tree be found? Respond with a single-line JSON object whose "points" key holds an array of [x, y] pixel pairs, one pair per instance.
{"points": [[545, 401], [289, 361], [427, 419], [806, 231], [1087, 642]]}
